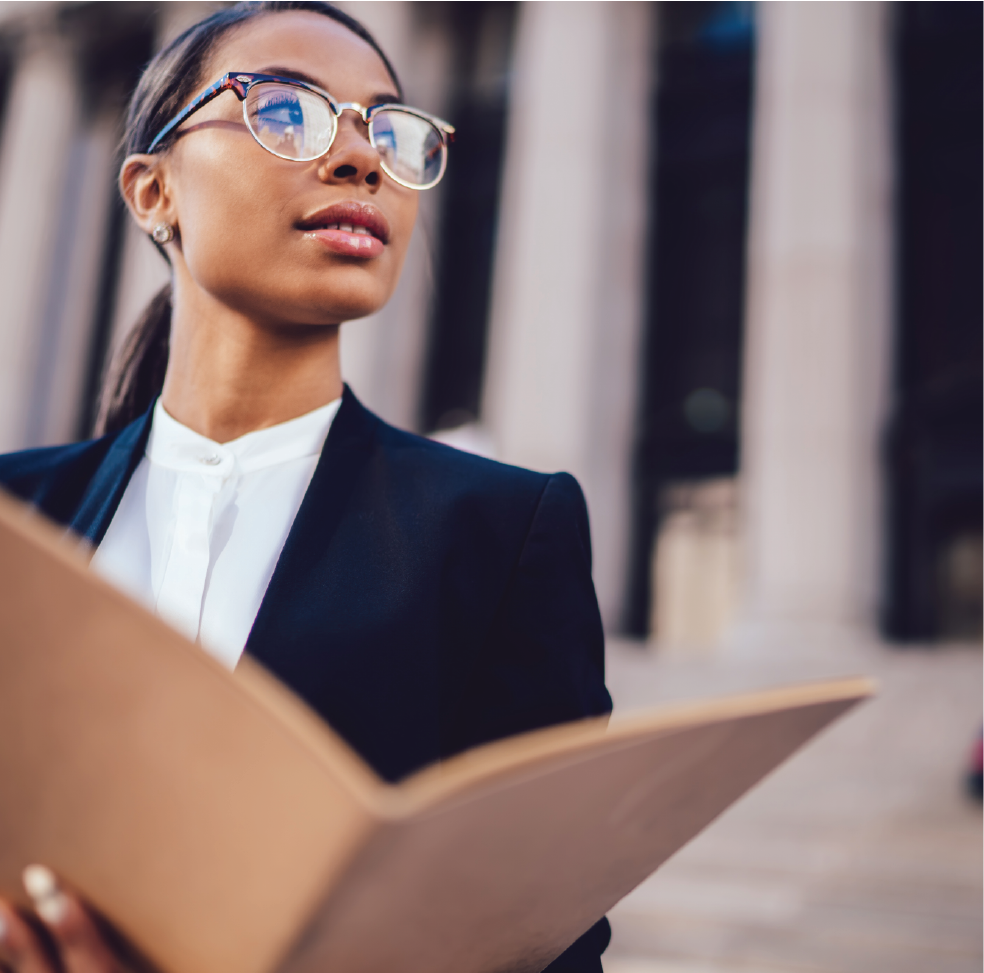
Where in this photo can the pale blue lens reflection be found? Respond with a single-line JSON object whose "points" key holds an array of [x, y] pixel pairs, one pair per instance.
{"points": [[410, 147]]}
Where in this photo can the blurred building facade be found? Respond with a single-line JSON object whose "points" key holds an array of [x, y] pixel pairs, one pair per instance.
{"points": [[721, 261]]}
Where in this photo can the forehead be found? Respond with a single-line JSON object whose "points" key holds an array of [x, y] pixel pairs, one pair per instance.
{"points": [[301, 40]]}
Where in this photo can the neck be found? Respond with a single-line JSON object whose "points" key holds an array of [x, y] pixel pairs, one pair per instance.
{"points": [[227, 375]]}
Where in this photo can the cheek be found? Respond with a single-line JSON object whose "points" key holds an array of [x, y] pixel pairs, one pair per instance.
{"points": [[228, 215], [401, 209]]}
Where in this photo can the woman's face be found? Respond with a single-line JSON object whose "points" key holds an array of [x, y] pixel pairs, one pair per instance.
{"points": [[251, 226]]}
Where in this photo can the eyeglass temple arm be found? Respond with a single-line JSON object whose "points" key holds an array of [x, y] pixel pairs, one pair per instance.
{"points": [[445, 127], [227, 81]]}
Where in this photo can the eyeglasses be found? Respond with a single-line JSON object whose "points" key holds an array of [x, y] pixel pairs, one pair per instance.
{"points": [[298, 122]]}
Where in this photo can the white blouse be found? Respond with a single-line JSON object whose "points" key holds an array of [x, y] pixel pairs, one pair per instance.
{"points": [[201, 524]]}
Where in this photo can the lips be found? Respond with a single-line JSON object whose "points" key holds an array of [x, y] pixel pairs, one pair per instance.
{"points": [[350, 229]]}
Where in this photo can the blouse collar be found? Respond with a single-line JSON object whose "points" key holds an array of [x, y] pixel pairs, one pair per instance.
{"points": [[174, 446]]}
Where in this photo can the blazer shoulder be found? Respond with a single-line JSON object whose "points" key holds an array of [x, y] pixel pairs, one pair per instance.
{"points": [[438, 461], [54, 478], [436, 467]]}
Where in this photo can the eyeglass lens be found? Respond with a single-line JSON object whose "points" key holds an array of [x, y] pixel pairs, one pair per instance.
{"points": [[410, 148], [290, 122], [296, 124]]}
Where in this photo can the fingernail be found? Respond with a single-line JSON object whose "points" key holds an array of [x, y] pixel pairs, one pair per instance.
{"points": [[39, 881], [49, 901], [3, 929], [52, 908]]}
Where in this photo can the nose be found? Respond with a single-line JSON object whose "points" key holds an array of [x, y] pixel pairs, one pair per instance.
{"points": [[352, 159]]}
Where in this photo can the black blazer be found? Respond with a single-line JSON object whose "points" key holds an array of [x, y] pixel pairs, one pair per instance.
{"points": [[426, 600]]}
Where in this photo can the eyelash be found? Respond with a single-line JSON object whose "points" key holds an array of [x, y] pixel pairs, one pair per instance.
{"points": [[279, 100]]}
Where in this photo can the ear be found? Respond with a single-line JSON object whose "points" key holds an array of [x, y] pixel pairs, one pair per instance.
{"points": [[145, 188]]}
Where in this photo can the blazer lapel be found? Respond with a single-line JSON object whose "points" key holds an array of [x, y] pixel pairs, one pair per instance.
{"points": [[346, 452], [105, 489]]}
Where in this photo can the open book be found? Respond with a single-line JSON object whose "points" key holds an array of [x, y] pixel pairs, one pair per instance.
{"points": [[222, 827]]}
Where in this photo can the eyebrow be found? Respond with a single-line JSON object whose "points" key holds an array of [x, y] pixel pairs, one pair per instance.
{"points": [[387, 97]]}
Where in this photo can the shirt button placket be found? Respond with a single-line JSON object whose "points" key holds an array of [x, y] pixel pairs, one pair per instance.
{"points": [[183, 586]]}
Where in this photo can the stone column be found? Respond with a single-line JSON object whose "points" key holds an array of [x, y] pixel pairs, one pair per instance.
{"points": [[73, 288], [561, 382], [41, 117], [817, 324]]}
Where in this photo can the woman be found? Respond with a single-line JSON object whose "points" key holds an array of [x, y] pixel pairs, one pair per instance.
{"points": [[422, 600]]}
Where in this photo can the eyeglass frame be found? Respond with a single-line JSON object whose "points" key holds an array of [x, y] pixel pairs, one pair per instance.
{"points": [[241, 81]]}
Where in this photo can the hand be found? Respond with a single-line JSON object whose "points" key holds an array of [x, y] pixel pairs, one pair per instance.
{"points": [[75, 943]]}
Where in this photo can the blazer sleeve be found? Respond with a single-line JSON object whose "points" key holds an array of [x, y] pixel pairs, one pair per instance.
{"points": [[545, 659]]}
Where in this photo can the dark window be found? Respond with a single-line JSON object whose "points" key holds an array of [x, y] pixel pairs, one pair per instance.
{"points": [[935, 455], [688, 424], [456, 353]]}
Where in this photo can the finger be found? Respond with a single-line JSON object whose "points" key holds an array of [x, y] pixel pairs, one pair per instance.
{"points": [[20, 946], [79, 942]]}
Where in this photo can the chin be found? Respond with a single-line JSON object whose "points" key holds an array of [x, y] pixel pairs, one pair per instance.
{"points": [[318, 304], [346, 303]]}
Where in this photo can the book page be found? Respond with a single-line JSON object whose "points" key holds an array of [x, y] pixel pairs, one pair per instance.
{"points": [[509, 853]]}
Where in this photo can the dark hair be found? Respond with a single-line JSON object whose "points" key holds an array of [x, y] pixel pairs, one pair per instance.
{"points": [[171, 79]]}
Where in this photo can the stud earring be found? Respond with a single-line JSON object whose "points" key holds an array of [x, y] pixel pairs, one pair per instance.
{"points": [[163, 233]]}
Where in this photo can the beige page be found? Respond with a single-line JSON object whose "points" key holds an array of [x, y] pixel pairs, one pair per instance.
{"points": [[224, 828]]}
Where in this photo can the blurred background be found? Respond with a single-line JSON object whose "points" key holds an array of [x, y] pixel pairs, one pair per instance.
{"points": [[721, 261]]}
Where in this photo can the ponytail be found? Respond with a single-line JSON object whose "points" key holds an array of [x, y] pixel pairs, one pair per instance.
{"points": [[136, 373]]}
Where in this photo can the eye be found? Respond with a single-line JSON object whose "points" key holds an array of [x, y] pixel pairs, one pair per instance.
{"points": [[280, 108]]}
